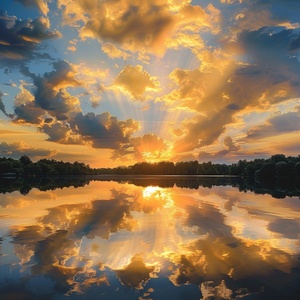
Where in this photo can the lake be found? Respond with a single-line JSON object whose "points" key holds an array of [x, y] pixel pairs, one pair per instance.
{"points": [[148, 238]]}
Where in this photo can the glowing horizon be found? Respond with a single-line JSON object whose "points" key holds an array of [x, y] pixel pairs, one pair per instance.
{"points": [[113, 83]]}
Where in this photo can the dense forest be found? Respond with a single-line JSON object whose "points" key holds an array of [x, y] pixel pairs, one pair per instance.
{"points": [[277, 166]]}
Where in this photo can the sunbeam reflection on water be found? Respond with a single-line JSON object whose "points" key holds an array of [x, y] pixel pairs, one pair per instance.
{"points": [[125, 241]]}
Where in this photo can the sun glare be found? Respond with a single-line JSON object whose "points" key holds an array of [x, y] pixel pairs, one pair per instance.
{"points": [[157, 193], [152, 191]]}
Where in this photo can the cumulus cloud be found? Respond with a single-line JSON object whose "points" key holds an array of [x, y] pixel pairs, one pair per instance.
{"points": [[104, 130], [17, 149], [57, 113], [222, 87], [135, 81], [20, 38], [28, 113], [138, 26], [51, 95], [60, 133], [217, 94]]}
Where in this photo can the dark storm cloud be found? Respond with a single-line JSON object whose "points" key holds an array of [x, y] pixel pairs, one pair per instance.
{"points": [[19, 39]]}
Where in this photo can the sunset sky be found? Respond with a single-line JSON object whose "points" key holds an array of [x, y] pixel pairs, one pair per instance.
{"points": [[115, 82]]}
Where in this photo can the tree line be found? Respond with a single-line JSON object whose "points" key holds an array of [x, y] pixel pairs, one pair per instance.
{"points": [[26, 167], [277, 166]]}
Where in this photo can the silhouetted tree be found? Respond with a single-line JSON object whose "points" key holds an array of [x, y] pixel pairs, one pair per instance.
{"points": [[25, 160]]}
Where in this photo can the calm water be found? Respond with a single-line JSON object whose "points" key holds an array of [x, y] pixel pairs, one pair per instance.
{"points": [[119, 240]]}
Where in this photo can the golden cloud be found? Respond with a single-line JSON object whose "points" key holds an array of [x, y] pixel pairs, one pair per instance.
{"points": [[136, 82], [149, 147], [113, 52], [140, 25]]}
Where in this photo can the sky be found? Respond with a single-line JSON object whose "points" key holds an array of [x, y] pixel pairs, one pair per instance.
{"points": [[116, 82]]}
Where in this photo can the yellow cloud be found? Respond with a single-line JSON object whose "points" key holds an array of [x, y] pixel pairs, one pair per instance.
{"points": [[137, 26], [113, 52], [136, 82]]}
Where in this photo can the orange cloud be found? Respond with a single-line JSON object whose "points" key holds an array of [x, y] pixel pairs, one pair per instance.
{"points": [[113, 52], [146, 26], [149, 147], [136, 82]]}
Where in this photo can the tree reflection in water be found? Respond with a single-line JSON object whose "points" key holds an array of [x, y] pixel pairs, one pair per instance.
{"points": [[135, 240]]}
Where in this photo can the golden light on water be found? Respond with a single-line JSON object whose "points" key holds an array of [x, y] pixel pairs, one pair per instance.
{"points": [[159, 194], [145, 233]]}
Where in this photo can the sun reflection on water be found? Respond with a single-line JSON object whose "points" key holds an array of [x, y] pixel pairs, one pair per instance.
{"points": [[140, 234], [159, 194]]}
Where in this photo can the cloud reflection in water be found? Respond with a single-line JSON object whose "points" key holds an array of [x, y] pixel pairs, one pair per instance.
{"points": [[152, 242]]}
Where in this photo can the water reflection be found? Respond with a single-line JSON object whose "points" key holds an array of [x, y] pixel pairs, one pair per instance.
{"points": [[119, 240], [278, 189]]}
